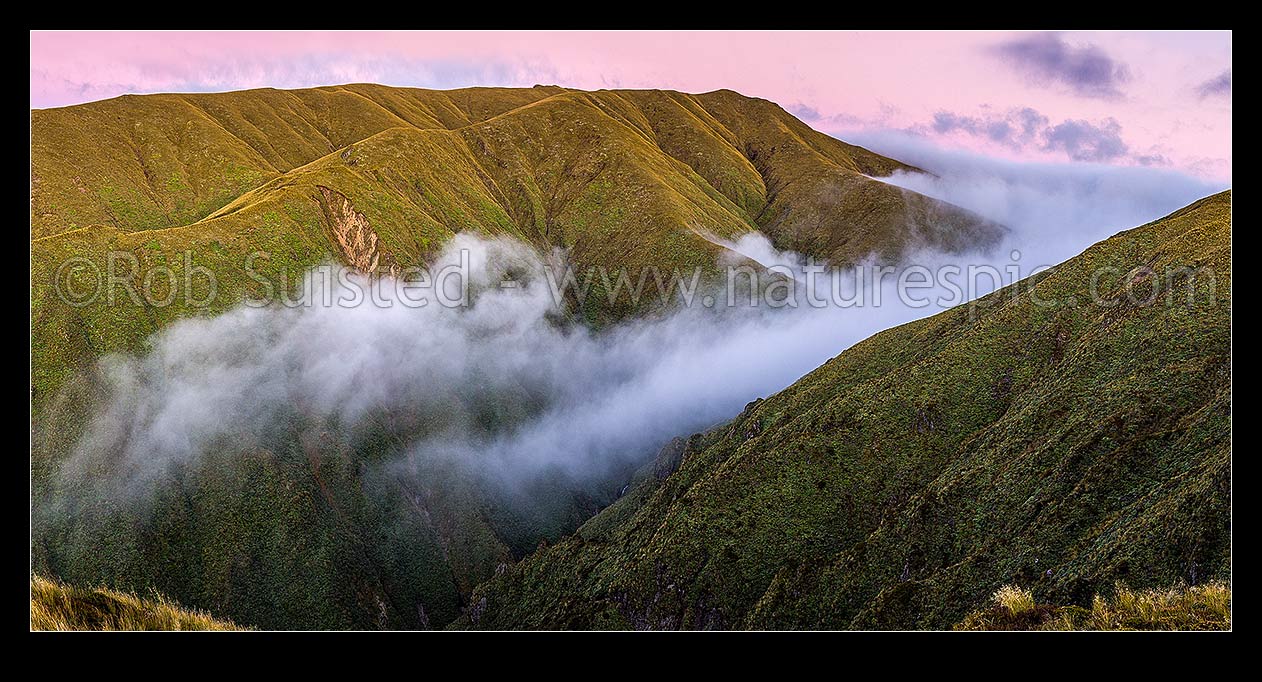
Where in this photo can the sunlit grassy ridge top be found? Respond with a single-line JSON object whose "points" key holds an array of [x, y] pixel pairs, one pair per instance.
{"points": [[1060, 446], [150, 161], [55, 606], [1201, 607], [153, 161]]}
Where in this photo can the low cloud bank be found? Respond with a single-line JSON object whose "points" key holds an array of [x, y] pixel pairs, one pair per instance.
{"points": [[1055, 210], [499, 384]]}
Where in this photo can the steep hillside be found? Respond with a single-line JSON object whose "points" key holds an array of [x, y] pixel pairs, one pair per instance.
{"points": [[1041, 438], [55, 606], [306, 524], [143, 162], [303, 523], [621, 179]]}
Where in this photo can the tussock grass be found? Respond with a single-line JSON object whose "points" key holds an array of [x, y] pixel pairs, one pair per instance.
{"points": [[57, 606], [1202, 607], [1015, 599]]}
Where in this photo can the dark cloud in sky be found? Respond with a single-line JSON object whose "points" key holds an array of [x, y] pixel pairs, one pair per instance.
{"points": [[1152, 160], [1015, 129], [1047, 58], [1218, 86], [1026, 128], [1086, 141]]}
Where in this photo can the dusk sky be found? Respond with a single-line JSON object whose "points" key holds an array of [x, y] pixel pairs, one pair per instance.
{"points": [[1133, 99]]}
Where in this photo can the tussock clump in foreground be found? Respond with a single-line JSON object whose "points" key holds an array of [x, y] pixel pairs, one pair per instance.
{"points": [[1203, 607], [56, 606]]}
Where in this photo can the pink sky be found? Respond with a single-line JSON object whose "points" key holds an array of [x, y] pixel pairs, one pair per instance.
{"points": [[1161, 99]]}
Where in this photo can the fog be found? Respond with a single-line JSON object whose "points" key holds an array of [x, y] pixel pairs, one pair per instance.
{"points": [[508, 387], [1055, 210], [500, 383]]}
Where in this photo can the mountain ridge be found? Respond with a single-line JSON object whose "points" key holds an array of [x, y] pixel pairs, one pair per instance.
{"points": [[605, 175], [430, 110]]}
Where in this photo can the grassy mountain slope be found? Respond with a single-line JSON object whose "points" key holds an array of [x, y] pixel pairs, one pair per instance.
{"points": [[303, 529], [155, 161], [1060, 447], [142, 162], [55, 606], [621, 178]]}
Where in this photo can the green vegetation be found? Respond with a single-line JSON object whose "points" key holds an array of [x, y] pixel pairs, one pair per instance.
{"points": [[295, 532], [1202, 607], [55, 606], [621, 178], [1061, 447]]}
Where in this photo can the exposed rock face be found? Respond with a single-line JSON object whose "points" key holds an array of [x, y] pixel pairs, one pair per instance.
{"points": [[351, 232], [669, 458]]}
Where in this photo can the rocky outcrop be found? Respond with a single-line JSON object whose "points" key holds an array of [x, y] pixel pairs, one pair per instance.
{"points": [[351, 232]]}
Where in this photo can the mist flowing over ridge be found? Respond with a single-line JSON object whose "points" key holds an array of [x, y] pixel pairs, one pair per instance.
{"points": [[1058, 208]]}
